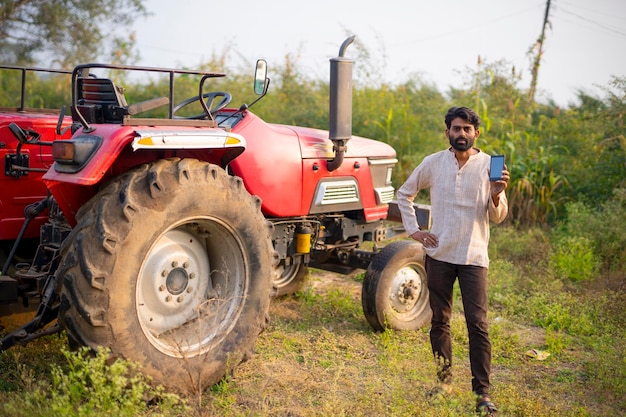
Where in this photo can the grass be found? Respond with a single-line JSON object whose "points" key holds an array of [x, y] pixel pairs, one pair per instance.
{"points": [[319, 356]]}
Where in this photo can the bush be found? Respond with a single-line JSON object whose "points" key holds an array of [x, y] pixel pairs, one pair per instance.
{"points": [[573, 258], [604, 228], [90, 387]]}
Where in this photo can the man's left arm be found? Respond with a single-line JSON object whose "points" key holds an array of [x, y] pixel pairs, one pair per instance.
{"points": [[498, 204], [497, 213]]}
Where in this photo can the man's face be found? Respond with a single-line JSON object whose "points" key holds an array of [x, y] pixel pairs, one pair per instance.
{"points": [[462, 134]]}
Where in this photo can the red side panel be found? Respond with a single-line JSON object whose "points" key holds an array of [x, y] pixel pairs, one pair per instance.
{"points": [[17, 193], [356, 168], [271, 166]]}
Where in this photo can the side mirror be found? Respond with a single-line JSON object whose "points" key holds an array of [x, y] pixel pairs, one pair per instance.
{"points": [[19, 134], [260, 77]]}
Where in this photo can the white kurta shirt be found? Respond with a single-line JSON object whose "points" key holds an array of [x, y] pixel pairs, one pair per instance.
{"points": [[461, 206]]}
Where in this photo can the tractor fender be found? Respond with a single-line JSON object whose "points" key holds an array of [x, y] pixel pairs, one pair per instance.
{"points": [[114, 143]]}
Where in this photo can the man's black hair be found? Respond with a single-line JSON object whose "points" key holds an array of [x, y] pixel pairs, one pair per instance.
{"points": [[464, 113]]}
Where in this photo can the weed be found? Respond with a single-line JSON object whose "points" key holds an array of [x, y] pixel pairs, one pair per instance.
{"points": [[88, 386], [573, 258]]}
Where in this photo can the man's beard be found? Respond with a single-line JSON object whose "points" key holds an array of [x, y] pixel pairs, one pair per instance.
{"points": [[463, 145]]}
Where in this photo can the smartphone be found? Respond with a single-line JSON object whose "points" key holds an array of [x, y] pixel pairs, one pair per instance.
{"points": [[496, 167]]}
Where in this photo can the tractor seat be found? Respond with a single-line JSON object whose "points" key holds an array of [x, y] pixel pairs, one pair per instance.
{"points": [[101, 101]]}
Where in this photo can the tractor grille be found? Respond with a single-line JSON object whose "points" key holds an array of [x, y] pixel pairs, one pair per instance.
{"points": [[337, 192]]}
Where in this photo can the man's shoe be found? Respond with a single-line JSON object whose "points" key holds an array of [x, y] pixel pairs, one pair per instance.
{"points": [[485, 407]]}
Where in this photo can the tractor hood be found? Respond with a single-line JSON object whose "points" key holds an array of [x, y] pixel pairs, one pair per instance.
{"points": [[315, 144]]}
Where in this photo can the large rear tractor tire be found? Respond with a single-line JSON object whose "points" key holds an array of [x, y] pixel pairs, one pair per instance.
{"points": [[395, 292], [169, 266]]}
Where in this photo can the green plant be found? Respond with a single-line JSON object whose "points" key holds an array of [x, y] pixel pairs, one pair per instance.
{"points": [[573, 258], [88, 386], [604, 228]]}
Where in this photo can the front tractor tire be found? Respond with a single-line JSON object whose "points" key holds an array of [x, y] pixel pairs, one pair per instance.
{"points": [[395, 292], [170, 267], [289, 279]]}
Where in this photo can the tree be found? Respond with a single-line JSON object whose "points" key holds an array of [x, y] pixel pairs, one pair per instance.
{"points": [[63, 33], [538, 49]]}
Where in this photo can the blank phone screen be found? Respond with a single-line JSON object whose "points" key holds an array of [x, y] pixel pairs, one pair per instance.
{"points": [[497, 165]]}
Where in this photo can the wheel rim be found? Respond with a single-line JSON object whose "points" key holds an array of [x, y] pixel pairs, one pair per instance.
{"points": [[191, 287], [406, 293], [285, 274]]}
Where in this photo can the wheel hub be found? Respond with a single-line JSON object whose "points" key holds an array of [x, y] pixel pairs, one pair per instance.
{"points": [[409, 292], [405, 289], [177, 281]]}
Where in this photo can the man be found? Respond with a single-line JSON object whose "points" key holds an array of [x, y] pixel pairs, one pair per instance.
{"points": [[463, 201]]}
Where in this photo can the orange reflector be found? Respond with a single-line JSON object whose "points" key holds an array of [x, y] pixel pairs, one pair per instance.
{"points": [[232, 141], [63, 151], [145, 141]]}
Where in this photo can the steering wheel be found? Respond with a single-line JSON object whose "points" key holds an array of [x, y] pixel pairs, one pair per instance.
{"points": [[209, 99]]}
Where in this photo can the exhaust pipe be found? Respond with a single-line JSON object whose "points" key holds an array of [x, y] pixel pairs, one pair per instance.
{"points": [[340, 112]]}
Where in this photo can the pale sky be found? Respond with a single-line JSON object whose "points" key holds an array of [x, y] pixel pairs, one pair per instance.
{"points": [[585, 44]]}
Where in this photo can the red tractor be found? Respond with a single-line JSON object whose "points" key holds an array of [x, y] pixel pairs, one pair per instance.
{"points": [[167, 237]]}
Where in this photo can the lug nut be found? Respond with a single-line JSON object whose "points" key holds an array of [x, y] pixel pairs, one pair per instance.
{"points": [[161, 287]]}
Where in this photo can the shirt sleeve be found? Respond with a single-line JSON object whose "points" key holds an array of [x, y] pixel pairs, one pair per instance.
{"points": [[499, 213], [405, 196]]}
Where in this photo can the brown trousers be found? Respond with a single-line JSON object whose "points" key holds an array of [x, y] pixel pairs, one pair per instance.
{"points": [[473, 283]]}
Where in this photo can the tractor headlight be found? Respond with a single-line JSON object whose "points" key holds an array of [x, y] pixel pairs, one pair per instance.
{"points": [[72, 155]]}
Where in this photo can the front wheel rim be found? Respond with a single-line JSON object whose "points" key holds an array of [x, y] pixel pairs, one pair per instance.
{"points": [[285, 274]]}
